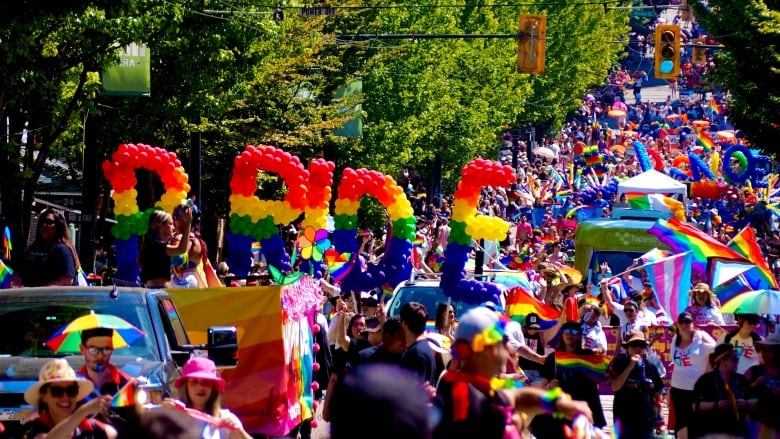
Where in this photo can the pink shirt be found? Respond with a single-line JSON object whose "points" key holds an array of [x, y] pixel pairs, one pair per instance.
{"points": [[523, 232]]}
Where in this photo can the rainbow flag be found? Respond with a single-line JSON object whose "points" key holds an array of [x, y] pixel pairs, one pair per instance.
{"points": [[593, 366], [653, 255], [657, 203], [520, 303], [745, 244], [7, 243], [255, 247], [705, 141], [512, 279], [571, 273], [6, 274], [714, 108], [682, 237], [125, 397]]}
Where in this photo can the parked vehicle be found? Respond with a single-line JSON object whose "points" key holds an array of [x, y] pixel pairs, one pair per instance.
{"points": [[28, 317]]}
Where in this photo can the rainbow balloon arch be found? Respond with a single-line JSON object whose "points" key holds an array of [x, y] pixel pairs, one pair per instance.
{"points": [[308, 197]]}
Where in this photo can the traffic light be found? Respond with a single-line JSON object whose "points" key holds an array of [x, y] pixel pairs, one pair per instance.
{"points": [[699, 53], [531, 44], [667, 51]]}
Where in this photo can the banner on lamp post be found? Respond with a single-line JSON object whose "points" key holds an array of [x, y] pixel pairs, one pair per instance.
{"points": [[131, 76]]}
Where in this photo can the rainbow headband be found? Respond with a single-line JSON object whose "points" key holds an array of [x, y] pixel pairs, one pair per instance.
{"points": [[490, 336]]}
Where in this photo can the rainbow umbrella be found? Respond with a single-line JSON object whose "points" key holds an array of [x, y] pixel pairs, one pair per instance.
{"points": [[754, 302], [68, 338]]}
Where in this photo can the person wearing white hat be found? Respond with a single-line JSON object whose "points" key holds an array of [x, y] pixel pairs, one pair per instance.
{"points": [[56, 396]]}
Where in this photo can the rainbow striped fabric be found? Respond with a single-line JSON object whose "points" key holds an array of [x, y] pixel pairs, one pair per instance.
{"points": [[745, 244], [682, 237], [520, 303], [714, 106], [125, 397], [656, 202], [593, 366], [705, 141], [6, 274]]}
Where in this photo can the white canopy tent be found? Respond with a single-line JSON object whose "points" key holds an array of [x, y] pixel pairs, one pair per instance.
{"points": [[652, 182]]}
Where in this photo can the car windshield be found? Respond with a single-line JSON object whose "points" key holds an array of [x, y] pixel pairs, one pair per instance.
{"points": [[27, 326], [429, 296], [618, 261]]}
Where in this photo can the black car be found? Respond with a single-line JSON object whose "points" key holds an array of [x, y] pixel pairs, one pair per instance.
{"points": [[30, 316]]}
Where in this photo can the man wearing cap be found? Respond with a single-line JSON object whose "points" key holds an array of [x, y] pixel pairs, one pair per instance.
{"points": [[534, 342], [97, 346], [468, 400]]}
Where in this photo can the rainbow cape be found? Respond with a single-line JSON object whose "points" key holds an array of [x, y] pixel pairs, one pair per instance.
{"points": [[6, 274], [705, 141], [682, 237], [745, 244], [656, 202], [125, 397], [520, 303], [593, 366]]}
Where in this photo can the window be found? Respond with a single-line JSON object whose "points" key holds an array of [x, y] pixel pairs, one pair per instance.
{"points": [[173, 324]]}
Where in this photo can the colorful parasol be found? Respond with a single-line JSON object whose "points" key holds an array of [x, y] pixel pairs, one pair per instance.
{"points": [[754, 302], [68, 338]]}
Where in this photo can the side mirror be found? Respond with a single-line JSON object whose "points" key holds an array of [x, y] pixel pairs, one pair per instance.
{"points": [[222, 345]]}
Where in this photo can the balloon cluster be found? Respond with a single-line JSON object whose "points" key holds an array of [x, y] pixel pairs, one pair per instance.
{"points": [[130, 221], [588, 195], [708, 189], [259, 219], [317, 205], [752, 166], [395, 266], [591, 156], [466, 225], [642, 156]]}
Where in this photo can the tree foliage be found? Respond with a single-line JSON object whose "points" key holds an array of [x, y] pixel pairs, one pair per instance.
{"points": [[749, 64]]}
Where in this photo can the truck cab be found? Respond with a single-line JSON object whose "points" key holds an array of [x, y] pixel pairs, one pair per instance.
{"points": [[29, 317]]}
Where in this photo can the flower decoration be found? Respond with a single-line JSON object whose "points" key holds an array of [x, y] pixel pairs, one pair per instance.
{"points": [[313, 243]]}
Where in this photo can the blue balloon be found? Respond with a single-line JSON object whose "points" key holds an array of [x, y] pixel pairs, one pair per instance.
{"points": [[239, 253], [127, 268]]}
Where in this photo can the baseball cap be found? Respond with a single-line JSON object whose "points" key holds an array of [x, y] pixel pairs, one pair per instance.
{"points": [[480, 327], [685, 316], [532, 321]]}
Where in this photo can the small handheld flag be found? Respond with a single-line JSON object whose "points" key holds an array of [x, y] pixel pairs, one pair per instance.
{"points": [[125, 397]]}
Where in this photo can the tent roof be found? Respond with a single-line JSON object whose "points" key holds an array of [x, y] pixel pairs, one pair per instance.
{"points": [[652, 182]]}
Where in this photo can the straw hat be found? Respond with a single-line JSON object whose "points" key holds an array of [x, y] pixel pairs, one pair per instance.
{"points": [[57, 371]]}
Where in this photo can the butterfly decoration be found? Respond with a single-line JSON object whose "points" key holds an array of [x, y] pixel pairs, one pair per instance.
{"points": [[313, 243]]}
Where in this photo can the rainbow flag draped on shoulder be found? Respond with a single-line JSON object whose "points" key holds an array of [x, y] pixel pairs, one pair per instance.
{"points": [[520, 303], [594, 366]]}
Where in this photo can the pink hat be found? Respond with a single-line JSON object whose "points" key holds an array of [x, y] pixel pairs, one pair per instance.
{"points": [[202, 368]]}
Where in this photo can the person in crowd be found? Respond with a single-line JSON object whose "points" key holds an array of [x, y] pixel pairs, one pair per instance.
{"points": [[691, 349], [744, 340], [445, 320], [97, 346], [349, 311], [51, 259], [655, 310], [764, 380], [704, 308], [157, 250], [200, 388], [637, 386], [381, 401], [419, 357], [593, 336], [192, 268], [55, 397], [723, 398], [391, 348], [534, 339], [472, 403], [631, 311], [162, 424], [575, 383]]}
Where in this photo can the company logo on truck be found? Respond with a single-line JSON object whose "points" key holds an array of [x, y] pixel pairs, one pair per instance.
{"points": [[631, 238]]}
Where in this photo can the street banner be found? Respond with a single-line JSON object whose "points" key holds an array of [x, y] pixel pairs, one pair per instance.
{"points": [[131, 76]]}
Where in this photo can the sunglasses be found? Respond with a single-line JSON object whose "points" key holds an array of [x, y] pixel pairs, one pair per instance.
{"points": [[572, 331], [637, 345], [48, 222], [629, 310], [58, 391], [94, 350]]}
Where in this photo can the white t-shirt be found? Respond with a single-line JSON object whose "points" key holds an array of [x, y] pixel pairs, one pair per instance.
{"points": [[748, 357], [691, 362], [593, 337], [514, 334]]}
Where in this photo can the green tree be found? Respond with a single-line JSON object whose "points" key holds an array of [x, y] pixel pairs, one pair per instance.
{"points": [[748, 66]]}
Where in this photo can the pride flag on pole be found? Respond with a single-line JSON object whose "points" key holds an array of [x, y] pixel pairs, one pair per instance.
{"points": [[669, 277], [705, 141], [520, 303], [6, 274], [682, 237], [745, 244]]}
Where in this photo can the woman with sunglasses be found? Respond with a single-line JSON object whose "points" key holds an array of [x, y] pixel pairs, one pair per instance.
{"points": [[445, 320], [575, 383], [51, 259], [638, 388], [56, 397], [722, 398], [157, 248], [691, 349]]}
